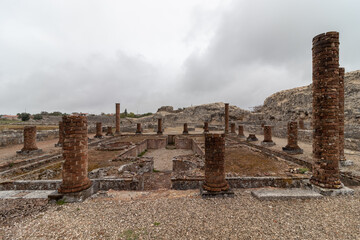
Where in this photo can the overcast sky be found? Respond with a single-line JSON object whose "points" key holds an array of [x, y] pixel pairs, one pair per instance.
{"points": [[85, 55]]}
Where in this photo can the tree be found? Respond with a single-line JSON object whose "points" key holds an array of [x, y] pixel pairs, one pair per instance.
{"points": [[24, 116], [125, 112], [38, 117]]}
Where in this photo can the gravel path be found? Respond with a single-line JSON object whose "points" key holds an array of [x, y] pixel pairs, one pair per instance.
{"points": [[184, 215], [163, 157]]}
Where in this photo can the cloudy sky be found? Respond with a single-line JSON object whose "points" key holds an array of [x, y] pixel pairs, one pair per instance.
{"points": [[85, 55]]}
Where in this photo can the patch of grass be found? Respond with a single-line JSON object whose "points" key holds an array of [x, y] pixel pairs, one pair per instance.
{"points": [[303, 170], [156, 223], [11, 165], [60, 202], [155, 170], [130, 234], [142, 153]]}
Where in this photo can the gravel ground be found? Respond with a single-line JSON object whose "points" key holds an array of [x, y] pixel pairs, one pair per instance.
{"points": [[169, 214]]}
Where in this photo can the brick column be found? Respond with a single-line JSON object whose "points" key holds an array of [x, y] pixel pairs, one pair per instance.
{"points": [[301, 124], [267, 137], [29, 139], [75, 153], [206, 127], [109, 131], [325, 54], [185, 129], [233, 128], [226, 118], [98, 130], [341, 114], [292, 146], [241, 131], [252, 138], [138, 128], [214, 163], [61, 135], [117, 124], [159, 126]]}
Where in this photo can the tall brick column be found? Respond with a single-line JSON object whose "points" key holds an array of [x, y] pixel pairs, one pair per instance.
{"points": [[267, 136], [325, 54], [159, 126], [74, 173], [226, 118], [241, 131], [61, 135], [138, 128], [206, 127], [233, 131], [29, 139], [185, 131], [98, 130], [109, 131], [117, 123], [292, 145], [214, 163], [341, 115]]}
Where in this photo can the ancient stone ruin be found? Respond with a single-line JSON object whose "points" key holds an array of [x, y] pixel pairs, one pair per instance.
{"points": [[206, 127], [29, 141], [226, 118], [292, 146], [109, 131], [185, 131], [138, 128], [117, 118], [267, 137], [159, 131], [98, 130]]}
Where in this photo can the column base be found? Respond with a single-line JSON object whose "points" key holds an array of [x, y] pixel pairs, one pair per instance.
{"points": [[267, 144], [185, 133], [252, 138], [98, 136], [293, 151], [346, 163], [109, 134], [208, 194], [242, 136], [73, 197], [343, 191], [58, 145]]}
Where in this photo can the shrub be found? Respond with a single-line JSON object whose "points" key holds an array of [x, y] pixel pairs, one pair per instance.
{"points": [[24, 116], [38, 117]]}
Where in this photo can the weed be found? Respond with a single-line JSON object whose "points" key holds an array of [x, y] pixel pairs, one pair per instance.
{"points": [[303, 170], [142, 153], [130, 234], [155, 170], [60, 202], [156, 223], [11, 165]]}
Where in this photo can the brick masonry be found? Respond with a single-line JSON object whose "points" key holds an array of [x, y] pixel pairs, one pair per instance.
{"points": [[29, 139], [185, 131], [109, 131], [267, 136], [301, 124], [233, 128], [241, 131], [138, 128], [117, 123], [292, 146], [159, 131], [214, 163], [251, 138], [75, 152], [206, 127], [325, 53], [98, 130], [226, 118], [341, 114]]}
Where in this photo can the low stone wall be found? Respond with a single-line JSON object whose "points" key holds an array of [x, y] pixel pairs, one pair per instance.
{"points": [[197, 149], [156, 143], [242, 182], [183, 143], [12, 137], [134, 151]]}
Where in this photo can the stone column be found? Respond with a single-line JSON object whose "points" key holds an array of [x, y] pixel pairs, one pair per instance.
{"points": [[98, 130], [233, 128], [117, 124], [29, 140], [185, 129], [214, 163], [226, 118], [159, 126], [267, 137], [109, 131], [341, 115], [325, 54], [75, 153], [138, 128], [206, 127], [61, 135], [292, 146], [241, 131]]}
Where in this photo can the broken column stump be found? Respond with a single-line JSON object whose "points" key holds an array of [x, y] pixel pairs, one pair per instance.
{"points": [[29, 142], [61, 135], [138, 128], [232, 128], [226, 118], [75, 186], [241, 131], [185, 131], [292, 145], [206, 127], [252, 137], [109, 131], [117, 119], [268, 142], [159, 131], [98, 130], [215, 183]]}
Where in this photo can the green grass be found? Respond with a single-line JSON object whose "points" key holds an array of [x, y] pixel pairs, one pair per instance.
{"points": [[156, 223], [60, 202], [155, 170], [142, 153], [303, 170], [130, 234]]}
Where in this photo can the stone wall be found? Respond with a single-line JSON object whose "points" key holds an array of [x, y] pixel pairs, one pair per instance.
{"points": [[12, 137]]}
